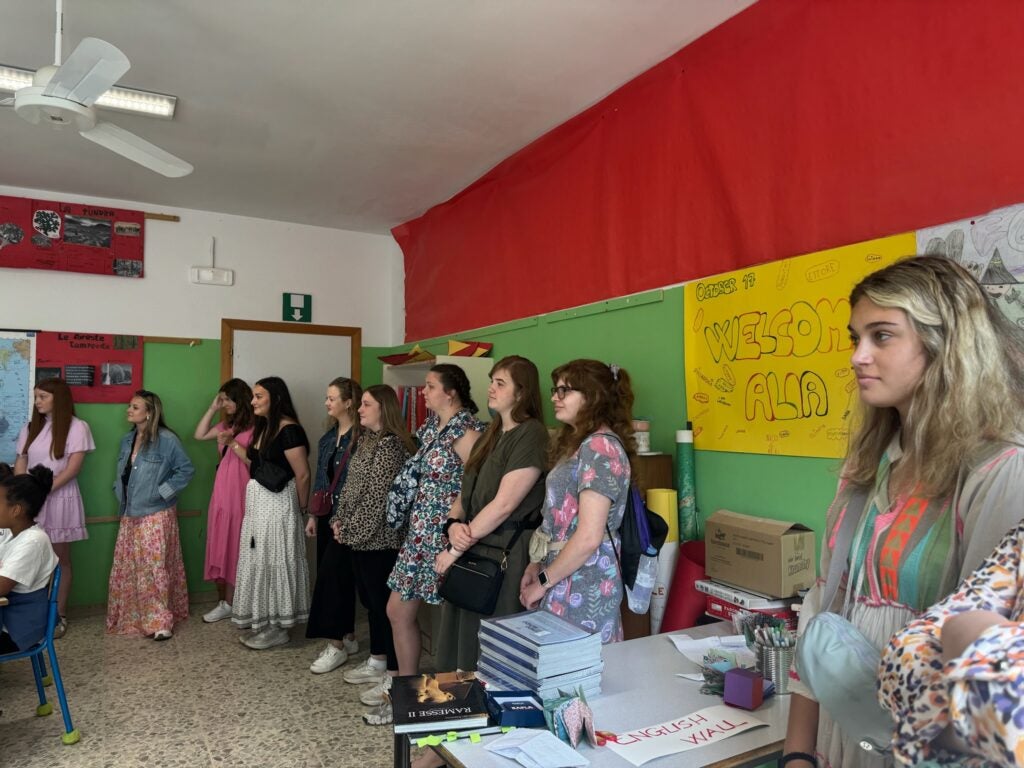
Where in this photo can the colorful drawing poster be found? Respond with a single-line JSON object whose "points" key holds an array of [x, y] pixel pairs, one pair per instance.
{"points": [[991, 247], [69, 237], [698, 729], [99, 367], [767, 351]]}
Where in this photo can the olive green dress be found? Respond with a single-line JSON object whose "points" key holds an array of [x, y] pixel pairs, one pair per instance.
{"points": [[519, 448]]}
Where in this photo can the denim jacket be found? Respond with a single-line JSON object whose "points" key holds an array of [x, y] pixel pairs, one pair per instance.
{"points": [[160, 472], [325, 448]]}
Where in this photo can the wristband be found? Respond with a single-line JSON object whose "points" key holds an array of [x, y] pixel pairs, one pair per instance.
{"points": [[790, 756]]}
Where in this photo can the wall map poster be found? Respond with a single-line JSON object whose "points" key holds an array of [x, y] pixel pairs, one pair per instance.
{"points": [[767, 351], [99, 367], [69, 237]]}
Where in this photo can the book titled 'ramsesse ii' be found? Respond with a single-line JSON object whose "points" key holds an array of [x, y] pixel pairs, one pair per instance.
{"points": [[441, 701]]}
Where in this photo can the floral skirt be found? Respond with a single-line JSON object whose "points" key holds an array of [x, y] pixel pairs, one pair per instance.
{"points": [[148, 592]]}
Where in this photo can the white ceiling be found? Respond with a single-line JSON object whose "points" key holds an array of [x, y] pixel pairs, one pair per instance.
{"points": [[352, 114]]}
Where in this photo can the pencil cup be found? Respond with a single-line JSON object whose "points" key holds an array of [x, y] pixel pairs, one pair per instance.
{"points": [[773, 663]]}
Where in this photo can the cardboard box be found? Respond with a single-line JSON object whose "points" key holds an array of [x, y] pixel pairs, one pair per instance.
{"points": [[768, 557]]}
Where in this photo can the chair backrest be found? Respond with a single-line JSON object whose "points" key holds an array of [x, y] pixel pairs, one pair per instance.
{"points": [[51, 603]]}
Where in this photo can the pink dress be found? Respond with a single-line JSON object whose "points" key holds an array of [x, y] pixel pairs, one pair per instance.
{"points": [[227, 507], [63, 514]]}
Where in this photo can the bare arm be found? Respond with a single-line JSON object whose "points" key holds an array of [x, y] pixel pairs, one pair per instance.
{"points": [[593, 516], [464, 445], [6, 585], [298, 459], [802, 731], [21, 464], [204, 429], [70, 471], [511, 491]]}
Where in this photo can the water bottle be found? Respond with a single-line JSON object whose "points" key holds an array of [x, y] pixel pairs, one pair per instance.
{"points": [[640, 595]]}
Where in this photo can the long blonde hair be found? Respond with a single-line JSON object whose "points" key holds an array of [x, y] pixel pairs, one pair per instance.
{"points": [[972, 388]]}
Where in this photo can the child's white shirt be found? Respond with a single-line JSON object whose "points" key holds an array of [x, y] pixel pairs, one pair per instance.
{"points": [[28, 558]]}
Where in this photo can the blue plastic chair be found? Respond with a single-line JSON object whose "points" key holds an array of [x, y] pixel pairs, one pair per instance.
{"points": [[35, 653]]}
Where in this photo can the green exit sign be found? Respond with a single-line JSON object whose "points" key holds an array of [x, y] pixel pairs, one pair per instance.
{"points": [[298, 307]]}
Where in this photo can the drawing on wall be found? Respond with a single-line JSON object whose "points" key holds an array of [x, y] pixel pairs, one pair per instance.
{"points": [[767, 352], [991, 247]]}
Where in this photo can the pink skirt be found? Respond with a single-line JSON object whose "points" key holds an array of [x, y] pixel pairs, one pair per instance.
{"points": [[148, 592]]}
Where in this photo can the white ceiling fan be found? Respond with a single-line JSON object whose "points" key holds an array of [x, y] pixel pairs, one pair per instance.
{"points": [[64, 94]]}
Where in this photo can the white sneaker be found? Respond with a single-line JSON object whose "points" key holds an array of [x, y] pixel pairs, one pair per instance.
{"points": [[373, 697], [163, 634], [364, 673], [220, 611], [268, 638], [351, 646], [329, 658]]}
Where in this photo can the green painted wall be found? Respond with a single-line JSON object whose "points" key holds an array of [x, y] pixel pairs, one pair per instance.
{"points": [[186, 378], [645, 336]]}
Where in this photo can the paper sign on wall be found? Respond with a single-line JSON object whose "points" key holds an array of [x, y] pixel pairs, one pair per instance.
{"points": [[98, 367], [767, 351], [700, 729]]}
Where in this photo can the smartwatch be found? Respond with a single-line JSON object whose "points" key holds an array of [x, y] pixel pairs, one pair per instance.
{"points": [[542, 577]]}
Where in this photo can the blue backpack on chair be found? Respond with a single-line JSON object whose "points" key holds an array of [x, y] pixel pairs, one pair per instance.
{"points": [[35, 653]]}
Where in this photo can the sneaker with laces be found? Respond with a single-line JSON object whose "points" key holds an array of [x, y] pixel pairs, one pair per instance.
{"points": [[364, 673], [382, 715], [351, 646], [220, 611], [330, 658], [268, 638]]}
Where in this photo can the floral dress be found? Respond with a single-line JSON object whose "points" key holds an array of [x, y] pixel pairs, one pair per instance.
{"points": [[413, 576], [981, 691], [908, 553], [591, 596]]}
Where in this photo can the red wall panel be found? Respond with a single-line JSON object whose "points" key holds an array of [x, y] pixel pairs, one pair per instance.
{"points": [[795, 126]]}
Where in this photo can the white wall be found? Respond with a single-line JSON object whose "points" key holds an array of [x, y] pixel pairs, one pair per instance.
{"points": [[355, 279]]}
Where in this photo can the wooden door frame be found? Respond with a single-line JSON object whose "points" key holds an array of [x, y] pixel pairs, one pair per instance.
{"points": [[228, 326]]}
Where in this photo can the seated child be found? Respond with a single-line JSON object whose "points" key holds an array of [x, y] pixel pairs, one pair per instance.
{"points": [[954, 678], [27, 558]]}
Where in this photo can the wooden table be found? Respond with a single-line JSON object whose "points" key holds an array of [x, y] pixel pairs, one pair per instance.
{"points": [[640, 688]]}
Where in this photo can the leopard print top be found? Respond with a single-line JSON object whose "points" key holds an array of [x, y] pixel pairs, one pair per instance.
{"points": [[362, 504]]}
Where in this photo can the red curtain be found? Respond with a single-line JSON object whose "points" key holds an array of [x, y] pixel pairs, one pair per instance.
{"points": [[795, 126]]}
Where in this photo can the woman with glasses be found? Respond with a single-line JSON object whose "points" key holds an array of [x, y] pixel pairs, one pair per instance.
{"points": [[574, 570], [148, 595]]}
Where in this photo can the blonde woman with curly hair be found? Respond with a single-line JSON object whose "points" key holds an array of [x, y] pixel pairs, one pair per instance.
{"points": [[935, 470], [574, 571]]}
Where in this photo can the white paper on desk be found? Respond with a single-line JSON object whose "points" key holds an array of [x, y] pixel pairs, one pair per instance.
{"points": [[534, 748], [694, 650], [699, 729]]}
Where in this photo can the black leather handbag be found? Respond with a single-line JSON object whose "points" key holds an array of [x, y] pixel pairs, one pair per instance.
{"points": [[271, 476], [474, 581]]}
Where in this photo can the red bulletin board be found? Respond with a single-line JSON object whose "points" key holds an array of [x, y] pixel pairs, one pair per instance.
{"points": [[42, 234], [99, 367]]}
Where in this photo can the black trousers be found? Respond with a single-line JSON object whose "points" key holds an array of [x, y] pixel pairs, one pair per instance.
{"points": [[372, 569], [332, 614]]}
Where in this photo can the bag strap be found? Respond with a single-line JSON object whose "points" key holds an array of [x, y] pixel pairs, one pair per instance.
{"points": [[341, 466], [839, 564]]}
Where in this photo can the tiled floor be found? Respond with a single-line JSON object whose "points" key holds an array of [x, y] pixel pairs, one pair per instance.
{"points": [[200, 699]]}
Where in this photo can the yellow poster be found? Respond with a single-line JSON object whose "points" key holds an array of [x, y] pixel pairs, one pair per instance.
{"points": [[767, 351]]}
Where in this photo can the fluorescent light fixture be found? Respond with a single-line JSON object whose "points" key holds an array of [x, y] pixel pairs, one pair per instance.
{"points": [[117, 98]]}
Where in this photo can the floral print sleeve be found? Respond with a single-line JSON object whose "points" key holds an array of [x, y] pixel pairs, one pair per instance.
{"points": [[981, 692]]}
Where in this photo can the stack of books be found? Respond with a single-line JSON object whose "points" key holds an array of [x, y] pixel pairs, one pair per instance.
{"points": [[725, 601], [539, 652], [440, 702]]}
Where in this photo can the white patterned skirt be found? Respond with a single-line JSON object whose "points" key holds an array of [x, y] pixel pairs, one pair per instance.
{"points": [[272, 583]]}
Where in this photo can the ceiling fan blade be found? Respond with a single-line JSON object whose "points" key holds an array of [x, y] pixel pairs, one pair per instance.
{"points": [[88, 72], [137, 150]]}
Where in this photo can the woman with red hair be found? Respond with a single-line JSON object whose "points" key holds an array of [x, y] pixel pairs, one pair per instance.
{"points": [[57, 439]]}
